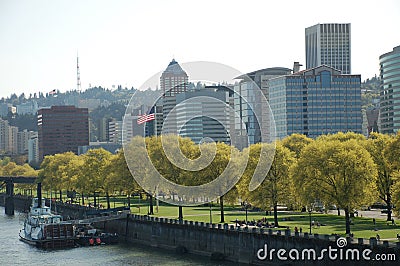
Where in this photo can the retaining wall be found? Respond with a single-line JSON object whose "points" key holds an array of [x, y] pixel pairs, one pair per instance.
{"points": [[237, 244]]}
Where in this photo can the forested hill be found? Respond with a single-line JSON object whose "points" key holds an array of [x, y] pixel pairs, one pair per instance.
{"points": [[71, 97], [102, 103]]}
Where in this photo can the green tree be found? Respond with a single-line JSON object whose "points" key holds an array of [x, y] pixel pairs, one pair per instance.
{"points": [[120, 177], [296, 143], [224, 155], [340, 136], [336, 172], [72, 176], [13, 169], [52, 171], [157, 147], [377, 146], [277, 184], [95, 170], [392, 155]]}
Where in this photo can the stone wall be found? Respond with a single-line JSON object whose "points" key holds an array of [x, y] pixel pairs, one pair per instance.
{"points": [[237, 244], [223, 241], [68, 211]]}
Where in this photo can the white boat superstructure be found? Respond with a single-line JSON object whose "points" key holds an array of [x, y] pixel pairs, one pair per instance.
{"points": [[44, 229]]}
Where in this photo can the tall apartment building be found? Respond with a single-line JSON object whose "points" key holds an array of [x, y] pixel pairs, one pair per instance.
{"points": [[316, 101], [115, 131], [8, 138], [104, 129], [329, 44], [62, 129], [12, 140], [390, 91], [3, 135], [23, 139], [33, 149]]}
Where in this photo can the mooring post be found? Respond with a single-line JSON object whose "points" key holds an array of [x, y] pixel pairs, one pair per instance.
{"points": [[9, 200]]}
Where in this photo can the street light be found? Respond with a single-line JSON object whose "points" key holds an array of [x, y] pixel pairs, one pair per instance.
{"points": [[210, 213], [246, 206]]}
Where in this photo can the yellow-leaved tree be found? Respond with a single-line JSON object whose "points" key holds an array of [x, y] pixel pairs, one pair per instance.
{"points": [[337, 171]]}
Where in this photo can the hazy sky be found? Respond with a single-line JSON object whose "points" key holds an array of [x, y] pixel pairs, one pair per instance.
{"points": [[126, 42]]}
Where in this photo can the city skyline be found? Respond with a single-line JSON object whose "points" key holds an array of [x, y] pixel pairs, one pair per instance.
{"points": [[126, 42]]}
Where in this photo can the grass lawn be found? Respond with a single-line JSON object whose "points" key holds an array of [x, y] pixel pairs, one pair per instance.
{"points": [[330, 224]]}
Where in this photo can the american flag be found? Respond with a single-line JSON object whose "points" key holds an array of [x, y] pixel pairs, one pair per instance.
{"points": [[144, 118]]}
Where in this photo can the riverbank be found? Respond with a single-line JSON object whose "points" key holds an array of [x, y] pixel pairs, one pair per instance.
{"points": [[223, 241]]}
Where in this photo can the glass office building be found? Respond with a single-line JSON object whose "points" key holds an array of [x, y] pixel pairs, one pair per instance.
{"points": [[390, 91], [250, 91], [202, 114], [316, 101]]}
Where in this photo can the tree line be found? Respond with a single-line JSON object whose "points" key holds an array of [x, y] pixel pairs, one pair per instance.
{"points": [[344, 169]]}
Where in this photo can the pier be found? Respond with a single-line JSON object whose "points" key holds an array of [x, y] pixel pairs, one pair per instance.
{"points": [[9, 182]]}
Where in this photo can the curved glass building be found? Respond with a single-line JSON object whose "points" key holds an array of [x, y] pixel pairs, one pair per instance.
{"points": [[390, 91]]}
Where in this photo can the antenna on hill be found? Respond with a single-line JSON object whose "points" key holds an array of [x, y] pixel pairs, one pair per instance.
{"points": [[78, 74]]}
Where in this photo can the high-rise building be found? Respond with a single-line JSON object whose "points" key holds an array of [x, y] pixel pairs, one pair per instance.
{"points": [[115, 131], [252, 122], [154, 127], [3, 135], [104, 129], [12, 140], [23, 140], [173, 81], [131, 127], [62, 129], [8, 138], [390, 91], [316, 101], [329, 44], [33, 149], [203, 114]]}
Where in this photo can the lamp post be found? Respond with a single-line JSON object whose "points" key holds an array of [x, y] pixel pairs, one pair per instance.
{"points": [[210, 212], [309, 213], [246, 206]]}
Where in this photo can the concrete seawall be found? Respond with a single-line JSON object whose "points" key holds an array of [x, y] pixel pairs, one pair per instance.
{"points": [[223, 241], [234, 243]]}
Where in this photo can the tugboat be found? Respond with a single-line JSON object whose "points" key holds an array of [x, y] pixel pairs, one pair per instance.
{"points": [[44, 229], [87, 235]]}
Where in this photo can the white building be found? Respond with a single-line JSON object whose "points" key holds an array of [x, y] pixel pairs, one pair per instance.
{"points": [[23, 139], [33, 148], [115, 131], [329, 44]]}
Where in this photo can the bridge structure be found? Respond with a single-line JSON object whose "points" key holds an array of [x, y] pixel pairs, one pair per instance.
{"points": [[8, 182]]}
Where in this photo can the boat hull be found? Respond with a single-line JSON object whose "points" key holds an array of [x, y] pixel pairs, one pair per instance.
{"points": [[103, 239], [49, 243]]}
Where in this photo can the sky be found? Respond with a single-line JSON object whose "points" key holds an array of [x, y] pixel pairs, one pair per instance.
{"points": [[125, 42]]}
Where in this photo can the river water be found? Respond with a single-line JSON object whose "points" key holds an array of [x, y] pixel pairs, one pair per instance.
{"points": [[15, 252]]}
